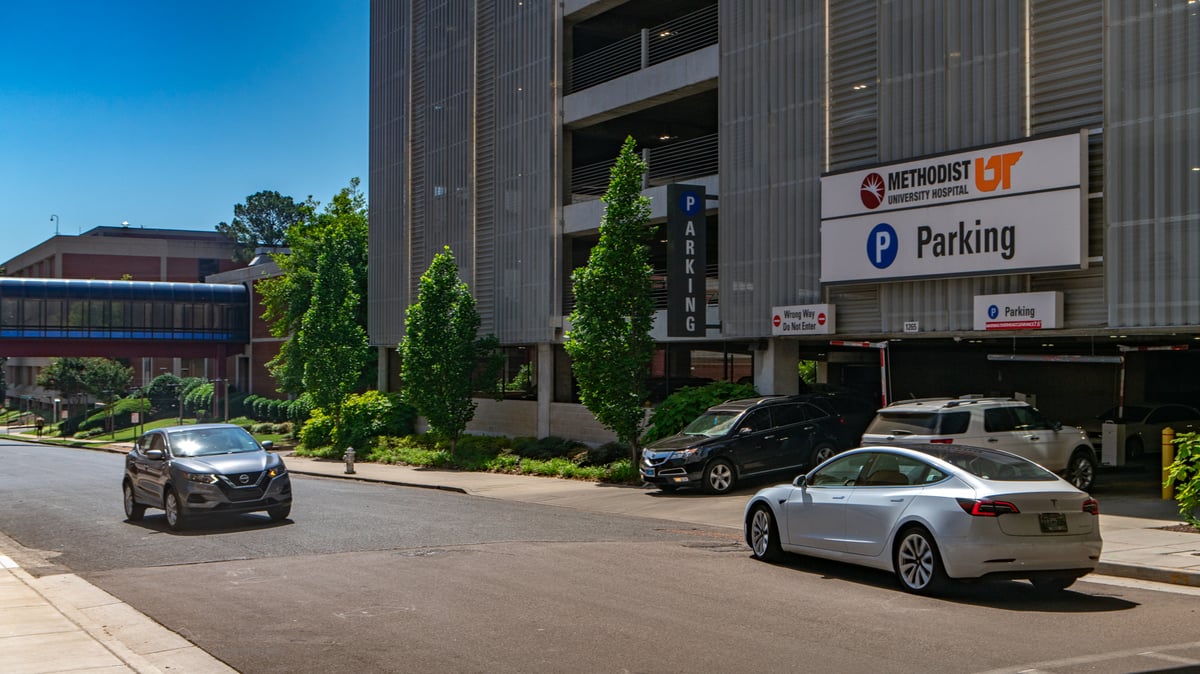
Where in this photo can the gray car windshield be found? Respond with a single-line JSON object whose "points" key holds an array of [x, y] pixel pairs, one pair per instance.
{"points": [[712, 424], [210, 441]]}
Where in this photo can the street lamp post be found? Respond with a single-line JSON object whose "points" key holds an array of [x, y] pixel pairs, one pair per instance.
{"points": [[54, 219]]}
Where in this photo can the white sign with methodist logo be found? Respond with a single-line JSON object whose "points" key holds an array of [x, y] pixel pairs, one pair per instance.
{"points": [[1019, 311], [803, 319], [1000, 210]]}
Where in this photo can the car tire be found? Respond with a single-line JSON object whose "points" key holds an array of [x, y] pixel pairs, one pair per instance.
{"points": [[134, 511], [279, 512], [1134, 448], [1050, 583], [719, 477], [820, 453], [918, 563], [176, 519], [1081, 471], [762, 534]]}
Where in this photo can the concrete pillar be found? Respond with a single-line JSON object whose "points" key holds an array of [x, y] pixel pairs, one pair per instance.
{"points": [[545, 387], [775, 368], [382, 375]]}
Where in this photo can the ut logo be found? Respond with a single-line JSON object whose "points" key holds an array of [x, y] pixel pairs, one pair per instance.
{"points": [[995, 171]]}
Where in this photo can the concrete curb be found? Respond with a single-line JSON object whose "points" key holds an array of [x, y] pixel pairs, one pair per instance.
{"points": [[376, 480], [1155, 574]]}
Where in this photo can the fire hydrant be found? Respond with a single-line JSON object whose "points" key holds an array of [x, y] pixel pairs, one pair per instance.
{"points": [[349, 459]]}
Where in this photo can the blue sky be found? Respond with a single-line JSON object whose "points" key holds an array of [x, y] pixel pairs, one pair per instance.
{"points": [[166, 113]]}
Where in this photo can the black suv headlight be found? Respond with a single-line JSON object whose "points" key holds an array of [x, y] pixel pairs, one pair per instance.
{"points": [[683, 454]]}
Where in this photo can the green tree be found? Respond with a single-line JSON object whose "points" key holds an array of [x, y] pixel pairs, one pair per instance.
{"points": [[288, 297], [440, 352], [609, 340], [262, 221], [106, 379], [334, 345], [65, 375]]}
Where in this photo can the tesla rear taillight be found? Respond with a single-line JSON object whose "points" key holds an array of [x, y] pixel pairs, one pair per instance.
{"points": [[1091, 506], [984, 507], [943, 441]]}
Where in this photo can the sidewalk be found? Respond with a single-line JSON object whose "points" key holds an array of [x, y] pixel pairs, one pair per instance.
{"points": [[61, 623]]}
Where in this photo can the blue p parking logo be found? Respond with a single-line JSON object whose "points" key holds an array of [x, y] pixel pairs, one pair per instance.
{"points": [[882, 245], [690, 203]]}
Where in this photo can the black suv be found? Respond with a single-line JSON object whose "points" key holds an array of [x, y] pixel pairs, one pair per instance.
{"points": [[741, 438]]}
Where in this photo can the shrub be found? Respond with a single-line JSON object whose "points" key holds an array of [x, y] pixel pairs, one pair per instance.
{"points": [[684, 405], [369, 415], [245, 422], [1184, 475], [317, 431], [299, 409], [603, 455], [546, 448]]}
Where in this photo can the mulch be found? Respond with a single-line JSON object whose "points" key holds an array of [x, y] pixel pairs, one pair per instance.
{"points": [[1185, 528]]}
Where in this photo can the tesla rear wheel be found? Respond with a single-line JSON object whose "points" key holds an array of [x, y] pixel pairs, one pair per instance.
{"points": [[918, 563], [763, 535], [133, 510], [719, 477], [822, 452], [1052, 582], [175, 517], [279, 512], [1082, 470]]}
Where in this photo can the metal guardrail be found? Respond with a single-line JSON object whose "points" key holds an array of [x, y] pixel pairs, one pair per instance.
{"points": [[687, 159], [659, 290], [648, 47]]}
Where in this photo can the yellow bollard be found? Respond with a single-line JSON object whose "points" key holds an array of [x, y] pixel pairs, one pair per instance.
{"points": [[1168, 458]]}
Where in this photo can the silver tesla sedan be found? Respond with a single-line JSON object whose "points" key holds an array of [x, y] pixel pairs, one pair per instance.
{"points": [[932, 514]]}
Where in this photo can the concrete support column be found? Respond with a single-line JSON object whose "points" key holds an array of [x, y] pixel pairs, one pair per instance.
{"points": [[775, 369], [382, 375], [545, 387]]}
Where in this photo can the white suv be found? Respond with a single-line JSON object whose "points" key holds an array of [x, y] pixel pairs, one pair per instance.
{"points": [[998, 423]]}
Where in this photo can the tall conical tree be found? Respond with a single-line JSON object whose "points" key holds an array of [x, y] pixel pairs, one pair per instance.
{"points": [[609, 340], [441, 350]]}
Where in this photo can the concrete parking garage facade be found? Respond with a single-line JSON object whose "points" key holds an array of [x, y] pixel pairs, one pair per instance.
{"points": [[493, 126]]}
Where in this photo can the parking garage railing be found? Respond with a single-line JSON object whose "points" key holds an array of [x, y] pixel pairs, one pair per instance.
{"points": [[671, 163], [648, 47]]}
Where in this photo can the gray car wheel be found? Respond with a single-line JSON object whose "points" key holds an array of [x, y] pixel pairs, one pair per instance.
{"points": [[133, 510], [1052, 582], [174, 508], [918, 563], [822, 452], [1081, 472], [279, 512], [763, 535], [719, 477]]}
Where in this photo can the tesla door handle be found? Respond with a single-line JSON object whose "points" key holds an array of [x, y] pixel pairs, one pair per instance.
{"points": [[993, 440], [1035, 437], [898, 500], [838, 498]]}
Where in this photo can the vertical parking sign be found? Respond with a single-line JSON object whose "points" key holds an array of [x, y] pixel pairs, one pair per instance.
{"points": [[686, 247]]}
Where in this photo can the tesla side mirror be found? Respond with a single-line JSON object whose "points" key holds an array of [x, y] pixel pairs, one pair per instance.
{"points": [[745, 430], [1057, 425], [156, 454], [267, 445], [800, 481]]}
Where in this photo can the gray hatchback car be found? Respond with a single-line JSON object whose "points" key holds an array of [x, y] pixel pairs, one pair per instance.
{"points": [[204, 469]]}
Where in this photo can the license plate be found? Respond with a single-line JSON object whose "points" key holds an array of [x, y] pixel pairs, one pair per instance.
{"points": [[648, 471], [1052, 523]]}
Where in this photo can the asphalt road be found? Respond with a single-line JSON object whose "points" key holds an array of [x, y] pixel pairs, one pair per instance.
{"points": [[377, 578]]}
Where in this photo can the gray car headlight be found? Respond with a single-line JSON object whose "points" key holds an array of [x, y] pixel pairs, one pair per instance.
{"points": [[276, 471], [203, 478]]}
